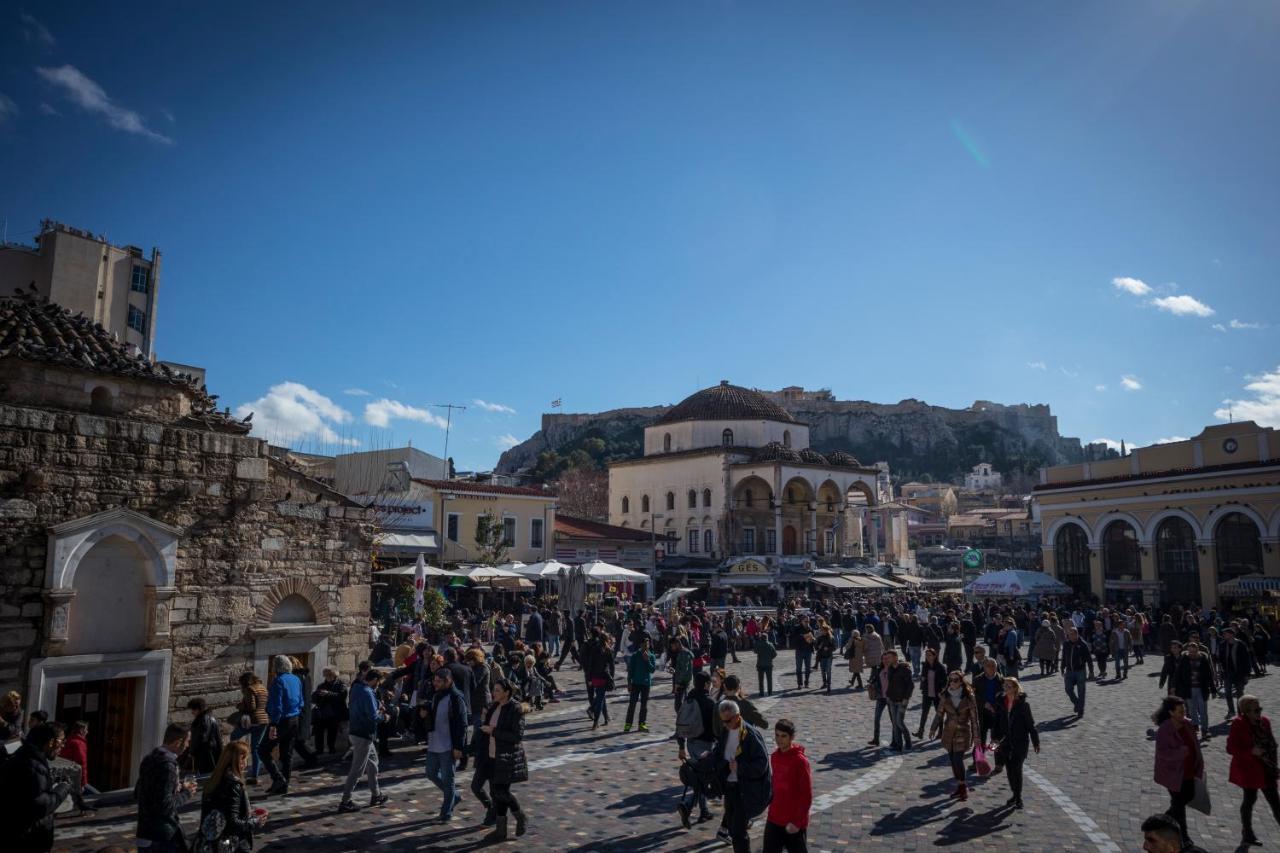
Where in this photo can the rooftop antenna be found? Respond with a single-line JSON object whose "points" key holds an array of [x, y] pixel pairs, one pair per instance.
{"points": [[447, 424]]}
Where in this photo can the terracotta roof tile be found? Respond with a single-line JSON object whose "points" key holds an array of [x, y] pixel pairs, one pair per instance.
{"points": [[483, 488]]}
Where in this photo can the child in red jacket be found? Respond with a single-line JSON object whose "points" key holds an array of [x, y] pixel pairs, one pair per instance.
{"points": [[792, 793]]}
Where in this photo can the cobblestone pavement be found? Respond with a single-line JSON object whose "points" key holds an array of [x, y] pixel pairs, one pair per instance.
{"points": [[1088, 790]]}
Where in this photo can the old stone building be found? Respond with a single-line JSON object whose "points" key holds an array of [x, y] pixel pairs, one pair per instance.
{"points": [[150, 550]]}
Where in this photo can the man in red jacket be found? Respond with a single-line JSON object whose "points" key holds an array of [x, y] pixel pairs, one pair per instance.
{"points": [[788, 816]]}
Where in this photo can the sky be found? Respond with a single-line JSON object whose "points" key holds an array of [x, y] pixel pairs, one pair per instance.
{"points": [[368, 210]]}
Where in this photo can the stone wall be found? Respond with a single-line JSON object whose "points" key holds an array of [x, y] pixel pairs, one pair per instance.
{"points": [[252, 531]]}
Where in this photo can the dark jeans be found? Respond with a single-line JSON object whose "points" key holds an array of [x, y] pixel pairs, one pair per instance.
{"points": [[986, 724], [286, 732], [1178, 804], [1075, 683], [326, 732], [596, 696], [639, 692], [735, 818], [503, 799], [881, 704], [777, 839], [926, 705], [1014, 769], [570, 649], [1101, 658], [824, 667], [766, 677], [680, 691], [804, 666]]}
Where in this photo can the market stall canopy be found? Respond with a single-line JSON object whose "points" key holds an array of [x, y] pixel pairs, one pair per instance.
{"points": [[408, 543], [673, 595], [429, 571], [1015, 583], [835, 581], [514, 567], [598, 571], [1248, 586], [511, 583], [914, 580], [482, 574], [543, 570]]}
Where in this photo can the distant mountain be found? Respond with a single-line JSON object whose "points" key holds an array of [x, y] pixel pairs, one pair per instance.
{"points": [[919, 441]]}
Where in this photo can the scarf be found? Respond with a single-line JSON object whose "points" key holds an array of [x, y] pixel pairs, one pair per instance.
{"points": [[1266, 741], [955, 694]]}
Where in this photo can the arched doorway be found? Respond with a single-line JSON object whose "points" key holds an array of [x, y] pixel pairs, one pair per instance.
{"points": [[1238, 544], [1176, 562], [1071, 558], [788, 540], [1121, 561]]}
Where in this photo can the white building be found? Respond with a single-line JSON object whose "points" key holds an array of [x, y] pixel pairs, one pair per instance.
{"points": [[982, 478], [729, 472]]}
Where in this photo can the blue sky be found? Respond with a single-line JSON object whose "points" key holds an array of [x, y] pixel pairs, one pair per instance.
{"points": [[364, 211]]}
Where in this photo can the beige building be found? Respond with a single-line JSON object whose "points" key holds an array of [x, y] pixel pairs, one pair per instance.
{"points": [[730, 472], [528, 517], [1171, 521], [115, 286]]}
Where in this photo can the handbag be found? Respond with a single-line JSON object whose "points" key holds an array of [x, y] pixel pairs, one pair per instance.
{"points": [[1200, 802], [981, 760]]}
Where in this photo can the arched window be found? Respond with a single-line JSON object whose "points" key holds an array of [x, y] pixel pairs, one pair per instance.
{"points": [[1176, 562], [666, 443], [1239, 547], [626, 505], [671, 500], [748, 498], [644, 503], [693, 499], [1120, 558], [100, 400], [1071, 555], [708, 541], [693, 540], [726, 438], [706, 497], [786, 438]]}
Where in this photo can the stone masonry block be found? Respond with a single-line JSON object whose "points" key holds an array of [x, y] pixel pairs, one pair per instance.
{"points": [[251, 469]]}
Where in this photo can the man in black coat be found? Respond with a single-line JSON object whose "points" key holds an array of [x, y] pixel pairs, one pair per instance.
{"points": [[533, 628], [160, 792], [742, 763], [28, 796], [1237, 664]]}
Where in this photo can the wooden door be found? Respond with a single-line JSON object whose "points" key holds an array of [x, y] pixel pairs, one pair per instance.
{"points": [[788, 540], [109, 707]]}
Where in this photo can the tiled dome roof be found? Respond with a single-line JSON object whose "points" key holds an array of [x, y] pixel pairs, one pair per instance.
{"points": [[34, 331], [725, 402], [840, 459], [812, 456], [775, 451]]}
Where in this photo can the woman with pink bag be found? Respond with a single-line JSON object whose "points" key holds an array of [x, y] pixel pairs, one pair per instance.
{"points": [[958, 719]]}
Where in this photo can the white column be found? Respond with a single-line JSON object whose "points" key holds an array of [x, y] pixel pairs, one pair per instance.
{"points": [[813, 529], [777, 526]]}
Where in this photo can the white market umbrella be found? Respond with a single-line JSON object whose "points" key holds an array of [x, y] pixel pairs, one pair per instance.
{"points": [[672, 595], [542, 571], [1015, 583], [598, 571], [513, 566], [483, 574]]}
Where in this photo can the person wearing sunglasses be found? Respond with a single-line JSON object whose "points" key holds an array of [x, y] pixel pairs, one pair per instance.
{"points": [[1252, 747], [958, 721]]}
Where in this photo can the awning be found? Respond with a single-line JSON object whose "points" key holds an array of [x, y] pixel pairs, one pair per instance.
{"points": [[409, 543], [836, 582], [510, 583], [912, 579], [410, 570], [1248, 585], [744, 580]]}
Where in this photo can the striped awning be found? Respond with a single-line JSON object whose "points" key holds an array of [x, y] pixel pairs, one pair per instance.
{"points": [[1249, 585]]}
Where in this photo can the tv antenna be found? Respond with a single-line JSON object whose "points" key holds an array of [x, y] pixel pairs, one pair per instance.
{"points": [[448, 423]]}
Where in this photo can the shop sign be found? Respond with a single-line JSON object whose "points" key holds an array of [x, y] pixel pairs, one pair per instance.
{"points": [[749, 567]]}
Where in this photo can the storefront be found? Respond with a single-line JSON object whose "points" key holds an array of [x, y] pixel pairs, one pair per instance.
{"points": [[749, 578]]}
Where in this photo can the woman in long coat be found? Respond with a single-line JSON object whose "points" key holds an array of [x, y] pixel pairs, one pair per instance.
{"points": [[958, 719], [856, 652], [1045, 647], [1017, 731], [500, 760], [1253, 763]]}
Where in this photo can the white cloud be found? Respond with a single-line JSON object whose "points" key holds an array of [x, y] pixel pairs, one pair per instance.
{"points": [[1219, 327], [1240, 324], [48, 110], [8, 109], [380, 413], [494, 407], [1135, 286], [1171, 439], [1264, 407], [91, 97], [291, 412], [356, 392], [1109, 442], [1037, 365], [1130, 383], [1099, 387], [36, 33], [1183, 306], [1070, 374], [507, 441]]}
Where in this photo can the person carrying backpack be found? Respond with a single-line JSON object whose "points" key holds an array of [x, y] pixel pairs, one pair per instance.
{"points": [[696, 739]]}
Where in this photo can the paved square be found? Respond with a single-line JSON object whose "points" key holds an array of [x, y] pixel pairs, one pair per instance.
{"points": [[1088, 790]]}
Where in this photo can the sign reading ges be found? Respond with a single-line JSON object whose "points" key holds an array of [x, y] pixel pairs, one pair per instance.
{"points": [[749, 567]]}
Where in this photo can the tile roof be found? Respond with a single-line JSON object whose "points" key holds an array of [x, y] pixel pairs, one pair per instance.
{"points": [[569, 527], [725, 402], [48, 333], [483, 488]]}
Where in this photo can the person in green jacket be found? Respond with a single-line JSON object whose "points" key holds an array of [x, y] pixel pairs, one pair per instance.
{"points": [[681, 662], [765, 653], [640, 667]]}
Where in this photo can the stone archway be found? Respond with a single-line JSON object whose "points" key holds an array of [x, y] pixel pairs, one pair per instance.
{"points": [[283, 596]]}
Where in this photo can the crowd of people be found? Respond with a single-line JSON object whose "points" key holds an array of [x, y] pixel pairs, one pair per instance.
{"points": [[462, 693]]}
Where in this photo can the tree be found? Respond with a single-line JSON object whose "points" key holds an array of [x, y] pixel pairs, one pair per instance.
{"points": [[491, 539], [584, 493]]}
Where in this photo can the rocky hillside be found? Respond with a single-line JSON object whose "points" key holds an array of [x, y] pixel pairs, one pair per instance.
{"points": [[916, 439]]}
